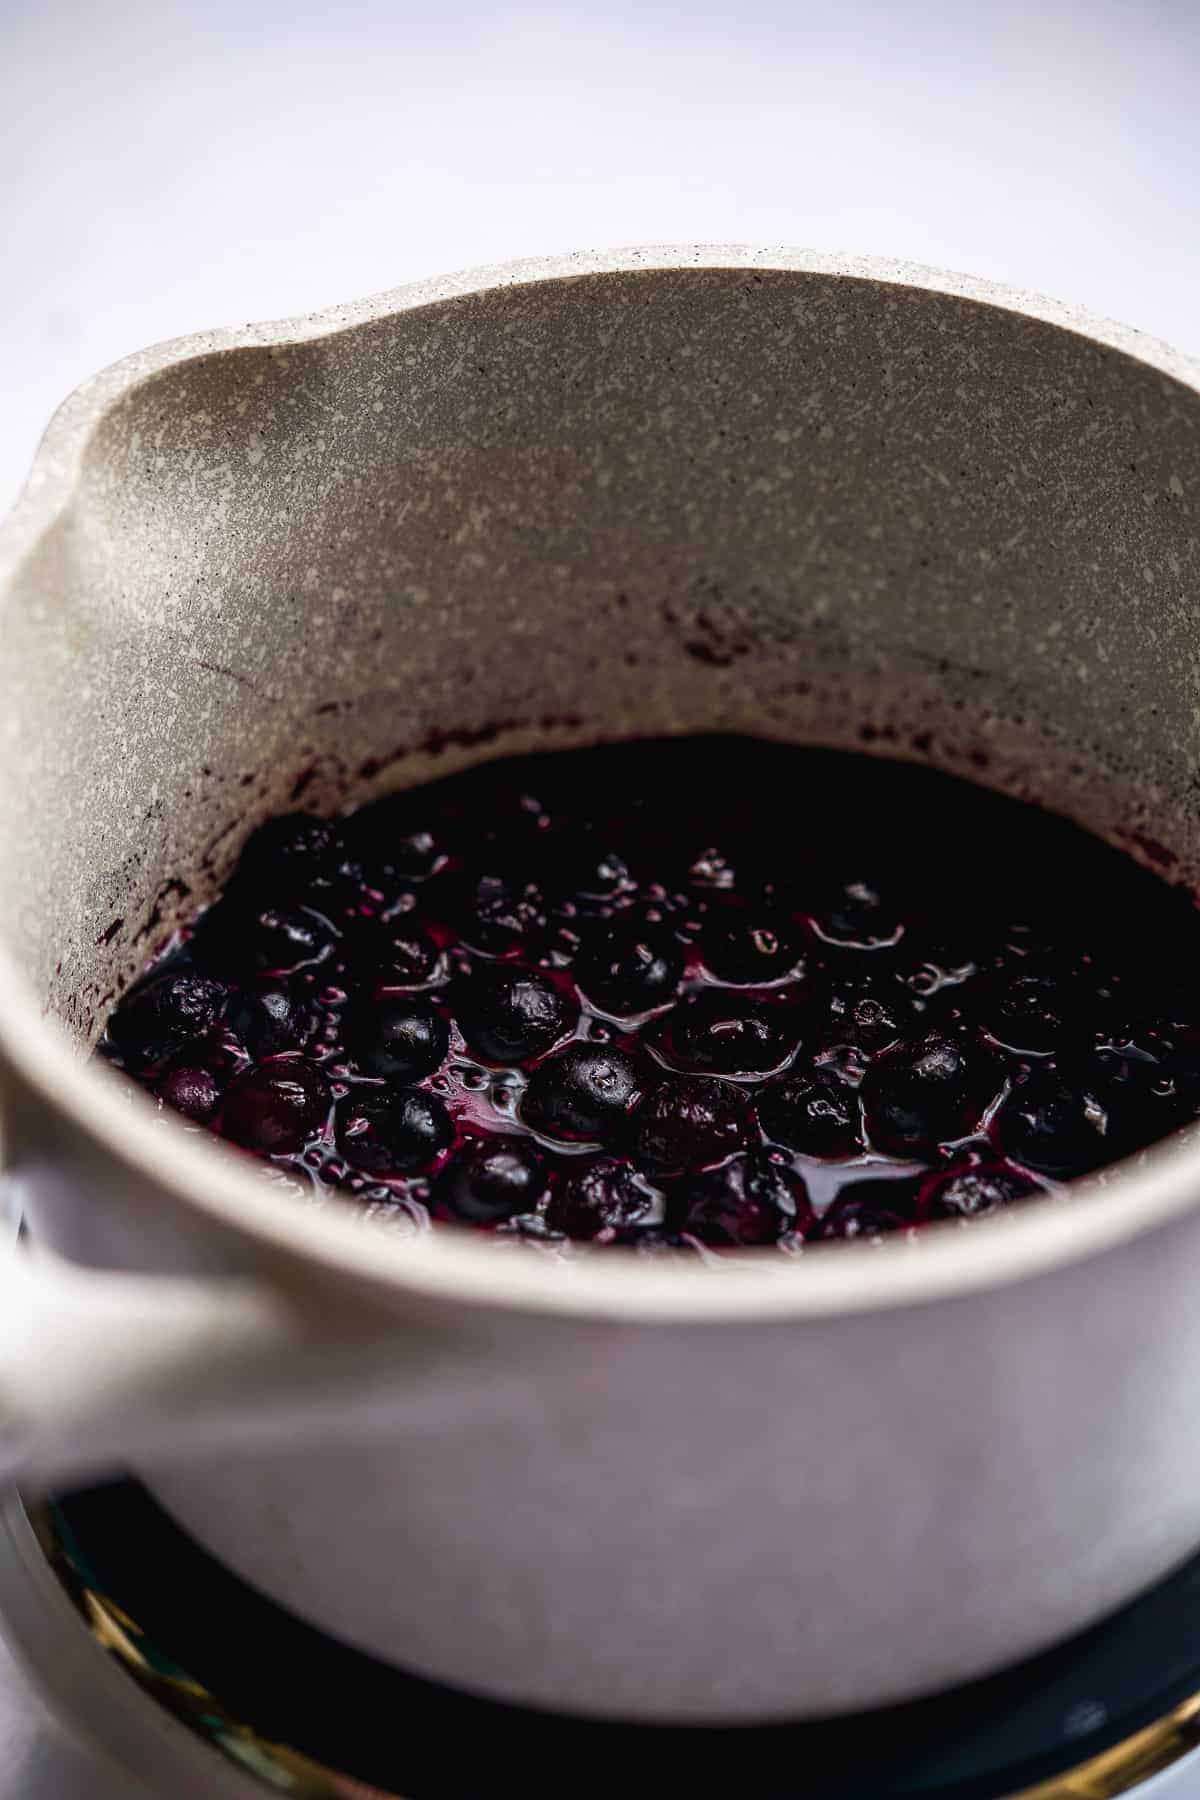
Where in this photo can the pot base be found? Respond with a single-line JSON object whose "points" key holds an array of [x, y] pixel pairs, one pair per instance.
{"points": [[1100, 1716]]}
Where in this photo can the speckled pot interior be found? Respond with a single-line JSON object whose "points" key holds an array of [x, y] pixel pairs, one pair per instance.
{"points": [[756, 495]]}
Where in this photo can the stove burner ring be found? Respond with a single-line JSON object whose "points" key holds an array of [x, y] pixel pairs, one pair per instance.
{"points": [[1118, 1770]]}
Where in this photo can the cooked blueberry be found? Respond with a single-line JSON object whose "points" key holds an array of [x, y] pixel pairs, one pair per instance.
{"points": [[1055, 1128], [871, 1016], [1168, 1045], [269, 1019], [392, 1131], [750, 1200], [508, 1015], [407, 954], [598, 1198], [492, 912], [726, 1034], [262, 938], [413, 853], [714, 867], [812, 1112], [869, 1210], [289, 850], [1117, 1071], [1180, 1039], [1032, 1011], [287, 937], [160, 1016], [688, 1121], [1142, 1098], [398, 1036], [390, 837], [276, 1108], [845, 1063], [750, 947], [399, 952], [917, 1096], [942, 959], [972, 1192], [580, 1093], [858, 918], [629, 968], [194, 1092], [580, 865], [494, 1179]]}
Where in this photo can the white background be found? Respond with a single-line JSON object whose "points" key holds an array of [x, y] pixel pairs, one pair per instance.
{"points": [[169, 165]]}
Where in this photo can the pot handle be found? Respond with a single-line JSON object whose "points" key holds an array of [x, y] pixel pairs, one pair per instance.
{"points": [[99, 1369]]}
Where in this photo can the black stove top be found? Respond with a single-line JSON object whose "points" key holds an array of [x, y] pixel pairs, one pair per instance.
{"points": [[408, 1736]]}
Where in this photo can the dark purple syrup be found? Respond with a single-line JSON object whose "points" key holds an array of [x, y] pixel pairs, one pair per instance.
{"points": [[707, 991]]}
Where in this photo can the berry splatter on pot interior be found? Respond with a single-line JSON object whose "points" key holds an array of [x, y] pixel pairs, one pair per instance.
{"points": [[707, 992]]}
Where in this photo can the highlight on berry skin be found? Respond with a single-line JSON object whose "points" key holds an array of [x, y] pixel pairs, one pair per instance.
{"points": [[687, 997]]}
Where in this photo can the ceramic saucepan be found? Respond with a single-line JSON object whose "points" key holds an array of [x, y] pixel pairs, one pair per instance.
{"points": [[644, 493]]}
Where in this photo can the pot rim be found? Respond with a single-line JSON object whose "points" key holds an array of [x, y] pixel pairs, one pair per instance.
{"points": [[1102, 1213]]}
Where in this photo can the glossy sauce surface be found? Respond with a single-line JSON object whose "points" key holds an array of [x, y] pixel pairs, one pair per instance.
{"points": [[686, 995]]}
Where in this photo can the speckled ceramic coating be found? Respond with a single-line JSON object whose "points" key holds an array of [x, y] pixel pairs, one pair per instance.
{"points": [[855, 502], [588, 500]]}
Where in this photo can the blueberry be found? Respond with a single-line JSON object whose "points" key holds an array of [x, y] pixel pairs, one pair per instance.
{"points": [[269, 1019], [750, 947], [917, 1096], [289, 851], [414, 854], [161, 1016], [399, 952], [492, 912], [603, 875], [1055, 1127], [192, 1091], [713, 868], [972, 1192], [942, 959], [857, 918], [360, 875], [1180, 1049], [494, 1179], [578, 864], [869, 1015], [750, 1200], [580, 1093], [276, 1108], [509, 1015], [812, 1112], [1167, 1046], [268, 939], [1032, 1010], [725, 1034], [398, 1036], [390, 837], [392, 1131], [629, 968], [285, 938], [1142, 1097], [869, 1210], [599, 1198], [688, 1121]]}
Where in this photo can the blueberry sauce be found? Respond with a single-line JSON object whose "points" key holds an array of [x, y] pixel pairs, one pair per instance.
{"points": [[695, 994]]}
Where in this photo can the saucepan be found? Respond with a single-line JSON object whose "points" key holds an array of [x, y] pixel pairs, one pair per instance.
{"points": [[813, 499]]}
